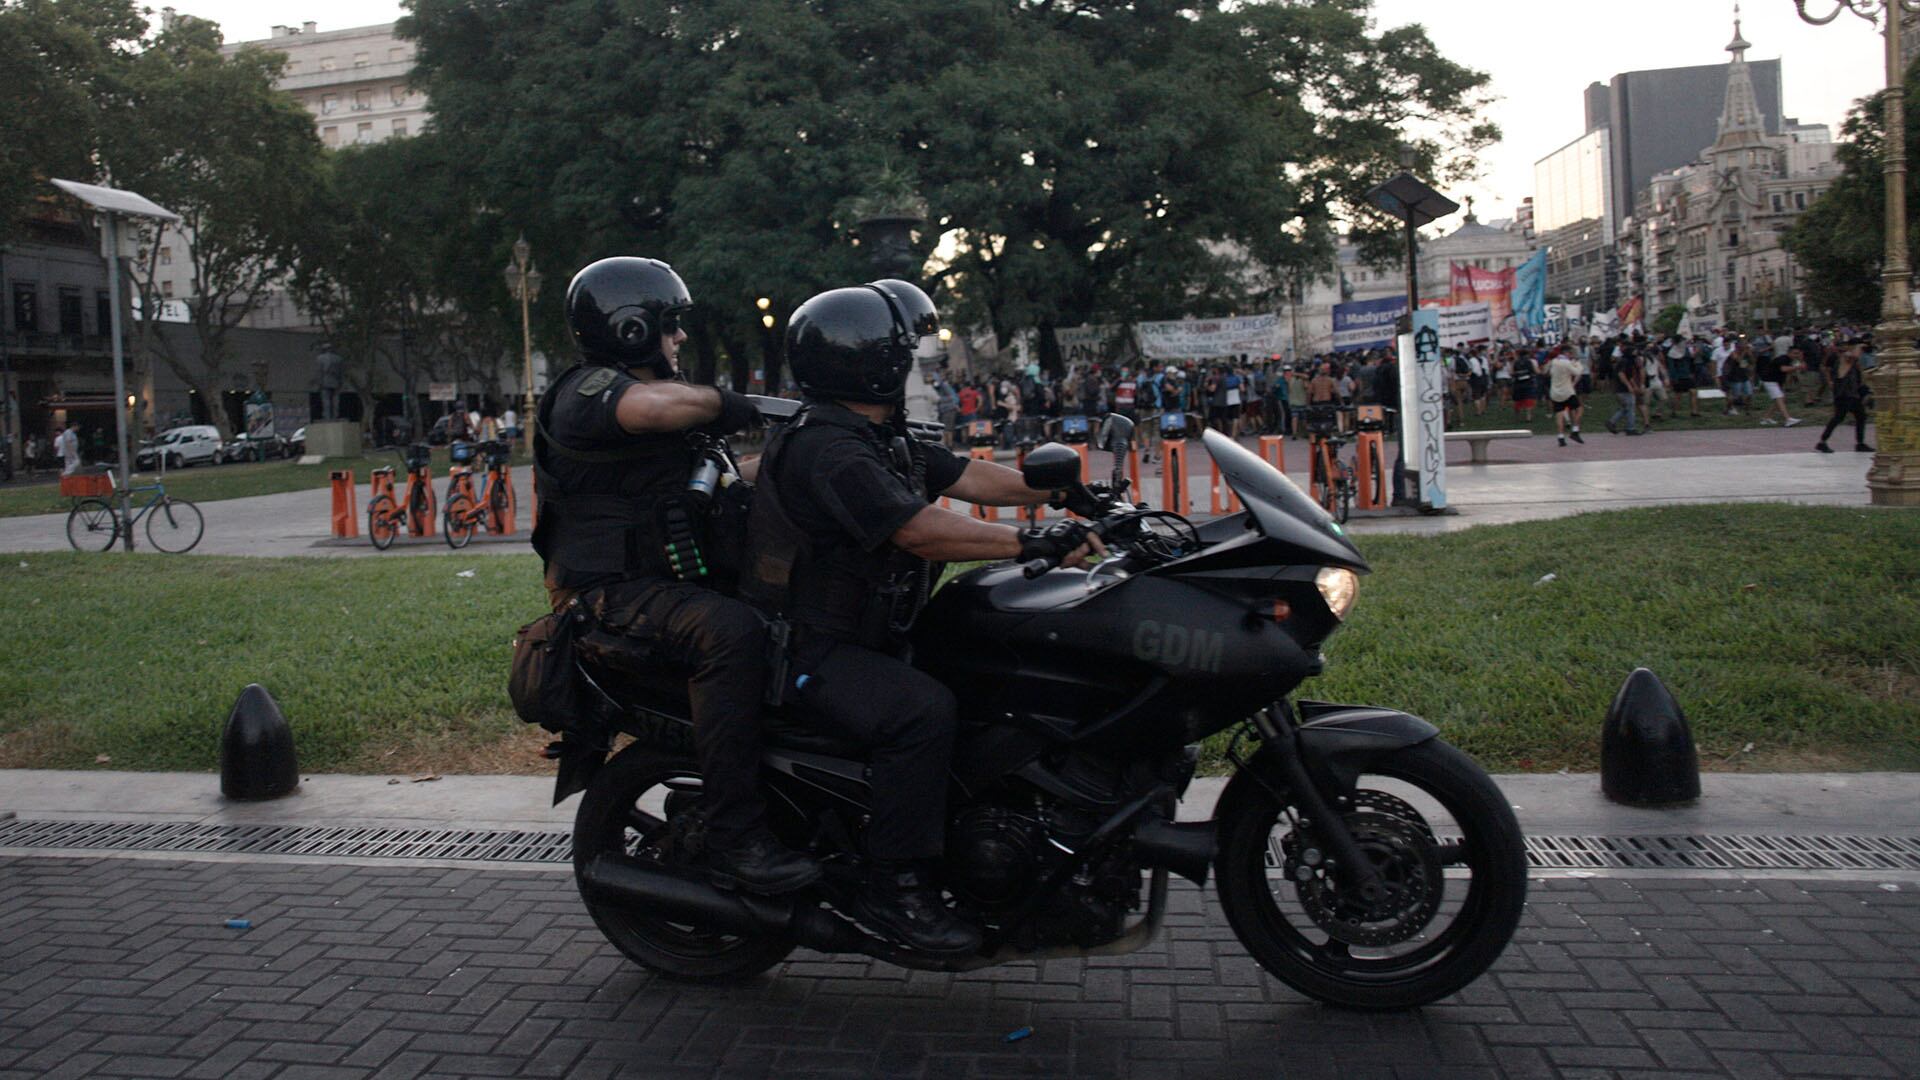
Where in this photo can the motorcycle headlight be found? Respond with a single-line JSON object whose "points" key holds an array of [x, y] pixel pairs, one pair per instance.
{"points": [[1339, 587]]}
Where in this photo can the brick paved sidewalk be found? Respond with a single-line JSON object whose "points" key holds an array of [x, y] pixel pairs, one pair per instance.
{"points": [[122, 967]]}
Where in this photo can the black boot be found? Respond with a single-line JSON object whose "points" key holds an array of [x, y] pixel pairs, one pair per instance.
{"points": [[899, 901], [761, 864]]}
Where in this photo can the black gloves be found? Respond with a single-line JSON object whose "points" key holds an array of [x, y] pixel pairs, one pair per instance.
{"points": [[737, 413], [1055, 542], [1094, 500]]}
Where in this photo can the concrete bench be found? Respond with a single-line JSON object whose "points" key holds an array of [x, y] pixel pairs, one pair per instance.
{"points": [[1477, 440]]}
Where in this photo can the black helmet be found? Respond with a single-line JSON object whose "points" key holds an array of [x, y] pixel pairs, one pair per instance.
{"points": [[856, 344], [619, 310]]}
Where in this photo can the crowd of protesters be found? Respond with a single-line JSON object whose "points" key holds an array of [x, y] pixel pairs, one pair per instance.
{"points": [[1643, 379]]}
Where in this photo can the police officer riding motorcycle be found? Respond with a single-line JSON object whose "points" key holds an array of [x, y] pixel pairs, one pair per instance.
{"points": [[842, 543], [616, 438]]}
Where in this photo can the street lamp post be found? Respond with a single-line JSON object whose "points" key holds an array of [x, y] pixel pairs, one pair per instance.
{"points": [[523, 281], [1894, 479]]}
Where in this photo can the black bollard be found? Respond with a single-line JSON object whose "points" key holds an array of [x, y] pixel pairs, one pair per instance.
{"points": [[256, 750], [1647, 757]]}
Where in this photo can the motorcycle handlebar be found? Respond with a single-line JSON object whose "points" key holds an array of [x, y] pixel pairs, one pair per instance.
{"points": [[1033, 568]]}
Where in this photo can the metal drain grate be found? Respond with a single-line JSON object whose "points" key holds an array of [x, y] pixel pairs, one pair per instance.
{"points": [[377, 843], [1724, 852], [1707, 852]]}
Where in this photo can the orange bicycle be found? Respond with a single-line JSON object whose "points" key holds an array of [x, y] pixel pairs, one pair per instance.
{"points": [[385, 519], [466, 511], [1333, 480]]}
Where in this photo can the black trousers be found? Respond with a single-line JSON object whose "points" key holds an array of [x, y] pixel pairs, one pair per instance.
{"points": [[1843, 406], [720, 645], [909, 719]]}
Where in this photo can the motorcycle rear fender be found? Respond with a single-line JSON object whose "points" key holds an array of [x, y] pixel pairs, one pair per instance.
{"points": [[580, 758]]}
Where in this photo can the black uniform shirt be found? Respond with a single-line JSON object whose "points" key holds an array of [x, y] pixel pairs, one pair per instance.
{"points": [[837, 486]]}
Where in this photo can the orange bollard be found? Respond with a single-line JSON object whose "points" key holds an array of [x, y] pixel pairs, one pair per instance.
{"points": [[984, 513], [1086, 461], [346, 518], [1133, 472], [1274, 449], [500, 523], [1173, 476], [420, 524], [382, 484], [1369, 458], [1221, 498]]}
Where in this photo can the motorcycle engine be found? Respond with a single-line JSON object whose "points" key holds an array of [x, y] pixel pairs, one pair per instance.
{"points": [[996, 854]]}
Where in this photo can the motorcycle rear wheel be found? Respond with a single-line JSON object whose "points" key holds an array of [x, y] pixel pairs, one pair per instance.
{"points": [[617, 815], [1269, 917]]}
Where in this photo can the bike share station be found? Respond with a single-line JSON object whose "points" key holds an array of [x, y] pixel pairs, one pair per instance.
{"points": [[466, 511]]}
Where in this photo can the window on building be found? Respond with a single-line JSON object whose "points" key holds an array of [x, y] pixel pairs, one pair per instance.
{"points": [[329, 104], [330, 136], [1779, 204], [359, 59], [398, 93], [397, 54], [70, 312], [399, 129], [166, 288], [166, 255], [362, 134], [102, 313], [1799, 200], [26, 307], [362, 100], [1733, 237], [326, 63], [293, 66]]}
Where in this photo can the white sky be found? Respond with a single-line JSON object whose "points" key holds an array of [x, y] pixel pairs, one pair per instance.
{"points": [[1541, 54]]}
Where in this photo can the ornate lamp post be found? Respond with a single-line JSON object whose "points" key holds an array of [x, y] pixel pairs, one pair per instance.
{"points": [[523, 281], [1894, 479]]}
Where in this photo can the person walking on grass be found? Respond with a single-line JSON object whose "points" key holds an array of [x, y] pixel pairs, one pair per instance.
{"points": [[1626, 390], [1773, 368], [1563, 375], [1849, 396], [1737, 374]]}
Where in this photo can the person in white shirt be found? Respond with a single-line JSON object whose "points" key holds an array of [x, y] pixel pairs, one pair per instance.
{"points": [[69, 446]]}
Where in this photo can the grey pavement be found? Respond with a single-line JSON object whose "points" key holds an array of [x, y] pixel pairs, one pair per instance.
{"points": [[1671, 468], [124, 966]]}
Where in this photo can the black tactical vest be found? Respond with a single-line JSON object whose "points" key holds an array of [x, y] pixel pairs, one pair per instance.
{"points": [[600, 506], [832, 592]]}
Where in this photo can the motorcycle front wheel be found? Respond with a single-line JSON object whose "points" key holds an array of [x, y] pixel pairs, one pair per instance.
{"points": [[1454, 896], [645, 803]]}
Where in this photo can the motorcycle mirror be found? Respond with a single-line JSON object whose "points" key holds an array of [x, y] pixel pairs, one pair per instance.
{"points": [[1116, 434], [1051, 466]]}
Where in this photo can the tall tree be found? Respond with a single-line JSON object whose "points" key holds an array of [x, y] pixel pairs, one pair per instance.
{"points": [[1080, 160], [207, 135], [1840, 240]]}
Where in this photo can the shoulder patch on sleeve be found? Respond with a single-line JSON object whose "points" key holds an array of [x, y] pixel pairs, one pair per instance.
{"points": [[595, 381]]}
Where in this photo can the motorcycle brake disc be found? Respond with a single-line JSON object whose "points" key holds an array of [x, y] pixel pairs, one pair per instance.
{"points": [[1403, 851]]}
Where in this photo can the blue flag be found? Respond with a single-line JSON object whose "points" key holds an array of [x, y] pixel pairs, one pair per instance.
{"points": [[1530, 293]]}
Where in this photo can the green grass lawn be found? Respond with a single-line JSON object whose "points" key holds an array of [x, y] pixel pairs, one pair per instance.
{"points": [[206, 483], [1795, 629]]}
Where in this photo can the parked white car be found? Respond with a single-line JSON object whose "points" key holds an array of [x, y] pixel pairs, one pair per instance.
{"points": [[194, 444]]}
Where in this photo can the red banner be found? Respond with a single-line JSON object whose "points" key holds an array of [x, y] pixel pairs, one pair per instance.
{"points": [[1631, 312], [1474, 285]]}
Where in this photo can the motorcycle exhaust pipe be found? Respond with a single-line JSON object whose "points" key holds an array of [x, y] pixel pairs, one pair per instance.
{"points": [[1187, 848], [628, 881]]}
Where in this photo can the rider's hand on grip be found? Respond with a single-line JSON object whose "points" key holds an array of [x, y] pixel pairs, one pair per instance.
{"points": [[1043, 549], [737, 413]]}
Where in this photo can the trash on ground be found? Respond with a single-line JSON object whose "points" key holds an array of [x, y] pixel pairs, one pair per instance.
{"points": [[1544, 578], [1580, 873], [1888, 886], [425, 778], [464, 573], [239, 924], [102, 759], [1017, 1034]]}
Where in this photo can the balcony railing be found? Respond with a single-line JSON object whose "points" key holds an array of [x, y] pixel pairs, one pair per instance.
{"points": [[39, 343]]}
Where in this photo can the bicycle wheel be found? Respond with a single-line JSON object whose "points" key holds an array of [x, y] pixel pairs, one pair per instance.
{"points": [[174, 525], [458, 521], [1377, 474], [383, 522], [497, 498], [1329, 478], [1343, 490], [92, 525]]}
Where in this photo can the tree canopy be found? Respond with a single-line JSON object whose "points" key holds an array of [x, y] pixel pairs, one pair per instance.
{"points": [[1078, 161], [1840, 241]]}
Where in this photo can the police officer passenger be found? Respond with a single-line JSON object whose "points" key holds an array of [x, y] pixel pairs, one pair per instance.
{"points": [[840, 537], [612, 456]]}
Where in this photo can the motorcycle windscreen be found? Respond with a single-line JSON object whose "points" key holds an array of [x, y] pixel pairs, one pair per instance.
{"points": [[1280, 509]]}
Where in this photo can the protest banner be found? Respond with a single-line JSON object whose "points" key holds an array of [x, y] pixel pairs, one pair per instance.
{"points": [[1366, 324], [1465, 324], [1197, 339]]}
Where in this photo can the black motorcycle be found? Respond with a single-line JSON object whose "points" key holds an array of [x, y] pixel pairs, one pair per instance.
{"points": [[1359, 858]]}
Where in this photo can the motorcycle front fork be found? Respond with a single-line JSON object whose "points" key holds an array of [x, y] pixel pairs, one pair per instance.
{"points": [[1277, 728]]}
